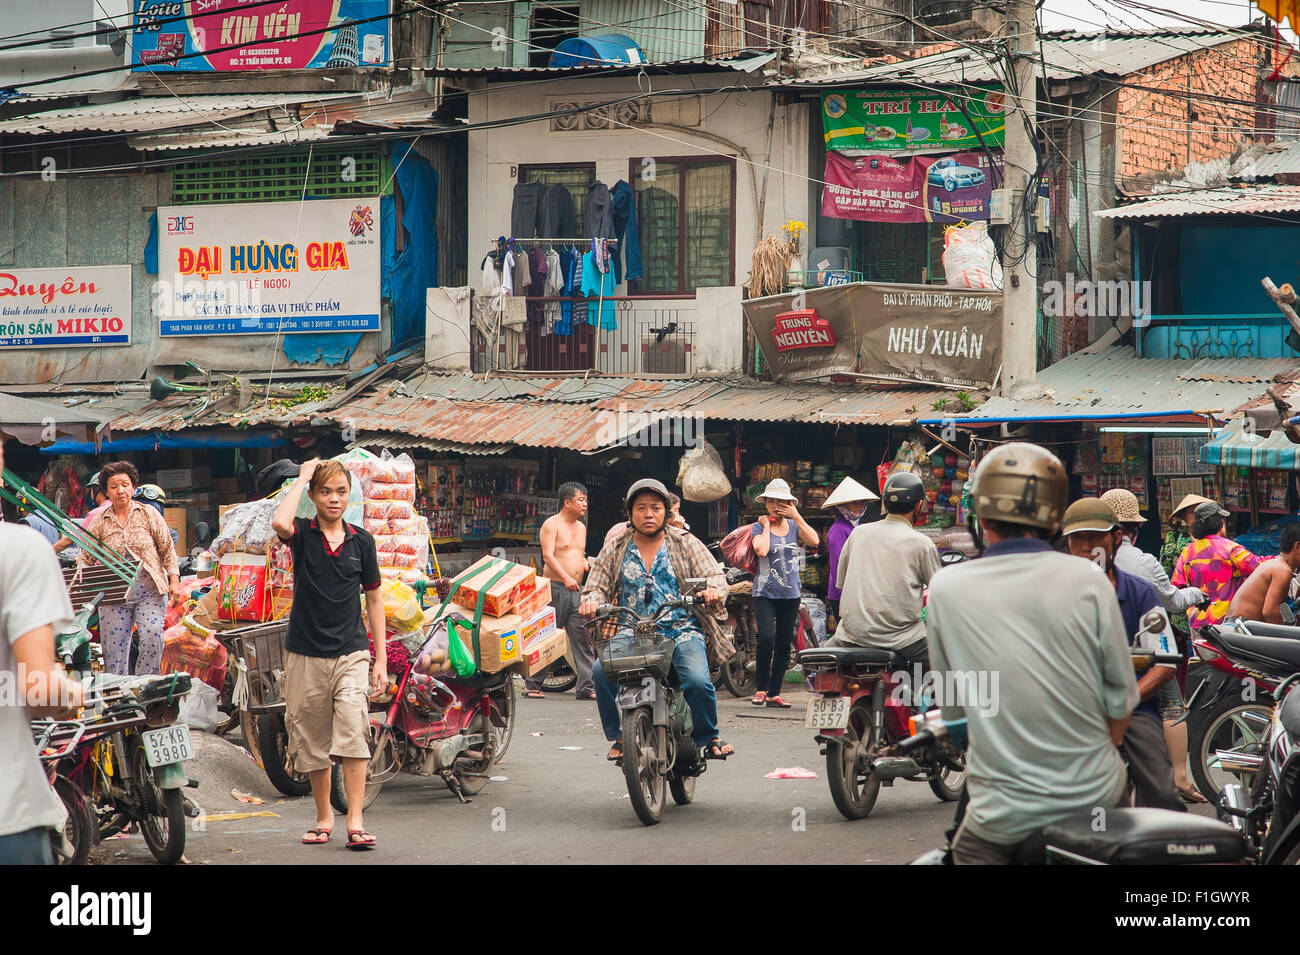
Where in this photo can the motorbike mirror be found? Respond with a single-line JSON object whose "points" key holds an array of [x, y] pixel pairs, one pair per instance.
{"points": [[1154, 622]]}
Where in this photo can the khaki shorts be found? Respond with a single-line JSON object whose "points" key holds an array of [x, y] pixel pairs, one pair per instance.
{"points": [[325, 708]]}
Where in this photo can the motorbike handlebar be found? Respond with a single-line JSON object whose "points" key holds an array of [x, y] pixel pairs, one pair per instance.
{"points": [[923, 738]]}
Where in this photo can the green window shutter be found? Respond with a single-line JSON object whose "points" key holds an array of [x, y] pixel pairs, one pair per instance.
{"points": [[279, 177]]}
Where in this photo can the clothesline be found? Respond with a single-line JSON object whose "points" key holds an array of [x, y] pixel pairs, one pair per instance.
{"points": [[572, 240]]}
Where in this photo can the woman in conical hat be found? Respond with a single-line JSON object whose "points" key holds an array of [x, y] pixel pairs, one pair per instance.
{"points": [[849, 500]]}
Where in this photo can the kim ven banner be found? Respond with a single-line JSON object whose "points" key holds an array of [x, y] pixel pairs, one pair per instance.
{"points": [[923, 334]]}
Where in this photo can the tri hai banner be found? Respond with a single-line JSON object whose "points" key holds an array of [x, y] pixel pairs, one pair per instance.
{"points": [[922, 334]]}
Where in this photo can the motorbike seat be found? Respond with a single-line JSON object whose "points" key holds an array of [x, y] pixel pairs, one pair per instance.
{"points": [[852, 656], [1147, 837], [1274, 647]]}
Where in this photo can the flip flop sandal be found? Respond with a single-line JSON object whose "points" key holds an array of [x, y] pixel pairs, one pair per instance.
{"points": [[777, 703], [615, 753], [758, 699], [535, 694], [317, 841], [718, 744], [366, 840]]}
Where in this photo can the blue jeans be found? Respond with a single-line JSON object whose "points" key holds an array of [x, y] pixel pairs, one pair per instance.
{"points": [[29, 847], [691, 661]]}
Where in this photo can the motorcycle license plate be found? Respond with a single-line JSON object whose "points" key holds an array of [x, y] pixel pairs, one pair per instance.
{"points": [[171, 744], [828, 713]]}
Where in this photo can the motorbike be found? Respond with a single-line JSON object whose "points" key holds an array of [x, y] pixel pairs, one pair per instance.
{"points": [[71, 841], [860, 716], [128, 762], [1228, 714], [1268, 813], [658, 749], [453, 727]]}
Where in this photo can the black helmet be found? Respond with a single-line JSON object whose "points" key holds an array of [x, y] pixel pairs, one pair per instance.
{"points": [[646, 484], [902, 491]]}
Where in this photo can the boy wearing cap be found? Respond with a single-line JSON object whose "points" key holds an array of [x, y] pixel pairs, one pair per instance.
{"points": [[1265, 591], [1093, 533], [1212, 562]]}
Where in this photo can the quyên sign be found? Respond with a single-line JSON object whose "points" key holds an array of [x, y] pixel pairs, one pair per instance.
{"points": [[46, 308], [802, 328]]}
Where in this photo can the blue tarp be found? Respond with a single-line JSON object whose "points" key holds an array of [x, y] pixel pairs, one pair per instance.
{"points": [[407, 276], [169, 441], [151, 247], [596, 51]]}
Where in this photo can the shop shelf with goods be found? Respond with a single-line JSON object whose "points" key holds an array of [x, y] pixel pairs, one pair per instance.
{"points": [[945, 475]]}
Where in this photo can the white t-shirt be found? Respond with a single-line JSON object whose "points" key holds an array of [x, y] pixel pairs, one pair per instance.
{"points": [[32, 595]]}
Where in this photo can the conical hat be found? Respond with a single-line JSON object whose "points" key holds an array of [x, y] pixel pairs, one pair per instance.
{"points": [[848, 492], [1191, 500]]}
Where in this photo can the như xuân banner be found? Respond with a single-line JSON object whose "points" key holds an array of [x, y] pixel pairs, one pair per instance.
{"points": [[946, 188], [51, 308], [906, 118], [908, 333], [269, 267], [230, 35]]}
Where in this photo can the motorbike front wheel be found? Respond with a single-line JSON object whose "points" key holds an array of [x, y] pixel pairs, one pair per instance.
{"points": [[163, 822], [1230, 725], [645, 784], [949, 785], [853, 790], [81, 827], [273, 747], [338, 790]]}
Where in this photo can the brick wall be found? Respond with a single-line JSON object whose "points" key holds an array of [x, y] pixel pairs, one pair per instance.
{"points": [[1162, 133]]}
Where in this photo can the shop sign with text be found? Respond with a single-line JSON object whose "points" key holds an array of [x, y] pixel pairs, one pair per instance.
{"points": [[910, 118], [269, 268], [74, 306], [934, 335], [948, 188]]}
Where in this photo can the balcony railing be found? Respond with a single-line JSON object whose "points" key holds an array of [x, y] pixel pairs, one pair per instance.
{"points": [[1261, 335], [563, 335]]}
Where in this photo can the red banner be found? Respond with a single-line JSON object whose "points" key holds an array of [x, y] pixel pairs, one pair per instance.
{"points": [[921, 189]]}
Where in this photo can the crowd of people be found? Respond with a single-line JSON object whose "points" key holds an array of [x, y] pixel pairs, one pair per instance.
{"points": [[1059, 596]]}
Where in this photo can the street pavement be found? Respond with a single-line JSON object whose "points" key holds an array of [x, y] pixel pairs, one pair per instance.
{"points": [[552, 803]]}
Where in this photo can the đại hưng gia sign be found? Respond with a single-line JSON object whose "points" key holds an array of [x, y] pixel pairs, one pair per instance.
{"points": [[906, 333], [65, 307], [268, 268]]}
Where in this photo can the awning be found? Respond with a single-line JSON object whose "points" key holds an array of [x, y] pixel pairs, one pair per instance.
{"points": [[36, 422], [1113, 384], [172, 441], [1235, 446], [1223, 201]]}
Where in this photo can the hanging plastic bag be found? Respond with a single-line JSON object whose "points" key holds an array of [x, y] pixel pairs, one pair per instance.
{"points": [[198, 707], [701, 475], [462, 661], [738, 549], [401, 606], [969, 258]]}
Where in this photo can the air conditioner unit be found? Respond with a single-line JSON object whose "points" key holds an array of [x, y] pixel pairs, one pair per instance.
{"points": [[667, 357]]}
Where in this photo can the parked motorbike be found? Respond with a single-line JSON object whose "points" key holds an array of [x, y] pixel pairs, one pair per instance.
{"points": [[452, 727], [1268, 813], [658, 749], [71, 841], [129, 762], [861, 716], [1228, 714]]}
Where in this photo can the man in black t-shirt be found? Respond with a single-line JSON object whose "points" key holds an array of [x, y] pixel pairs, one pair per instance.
{"points": [[327, 652]]}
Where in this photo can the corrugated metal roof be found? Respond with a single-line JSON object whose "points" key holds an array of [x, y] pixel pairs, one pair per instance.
{"points": [[185, 410], [1267, 160], [1114, 382], [585, 415], [1065, 55], [663, 31], [1226, 201], [395, 442], [148, 113]]}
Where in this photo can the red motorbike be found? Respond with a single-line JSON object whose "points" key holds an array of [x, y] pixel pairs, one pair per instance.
{"points": [[443, 725], [861, 715]]}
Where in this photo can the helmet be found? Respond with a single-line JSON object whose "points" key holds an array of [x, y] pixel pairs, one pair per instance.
{"points": [[902, 489], [1021, 483], [646, 484], [1125, 505], [1089, 514], [92, 481], [151, 492]]}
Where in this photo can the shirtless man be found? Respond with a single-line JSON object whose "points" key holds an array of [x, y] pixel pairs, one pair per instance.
{"points": [[564, 552], [1267, 588]]}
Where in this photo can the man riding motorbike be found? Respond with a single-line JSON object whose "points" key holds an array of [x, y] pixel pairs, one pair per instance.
{"points": [[645, 565], [1048, 626]]}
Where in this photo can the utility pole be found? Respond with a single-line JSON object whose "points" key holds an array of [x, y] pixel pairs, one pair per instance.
{"points": [[1020, 253]]}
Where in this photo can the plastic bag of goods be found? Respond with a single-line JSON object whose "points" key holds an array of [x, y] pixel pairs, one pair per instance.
{"points": [[402, 550], [391, 492], [388, 511], [403, 468], [402, 608], [199, 707], [969, 258], [407, 575], [701, 475], [367, 469], [247, 527]]}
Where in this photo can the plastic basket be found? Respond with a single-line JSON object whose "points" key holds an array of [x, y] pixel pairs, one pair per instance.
{"points": [[262, 651], [639, 658]]}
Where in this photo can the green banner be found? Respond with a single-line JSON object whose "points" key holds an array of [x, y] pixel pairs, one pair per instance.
{"points": [[874, 120]]}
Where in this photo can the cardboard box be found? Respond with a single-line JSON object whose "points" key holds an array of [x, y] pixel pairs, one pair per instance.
{"points": [[225, 485], [533, 604], [542, 652], [182, 478], [517, 583], [538, 626], [177, 519], [498, 638]]}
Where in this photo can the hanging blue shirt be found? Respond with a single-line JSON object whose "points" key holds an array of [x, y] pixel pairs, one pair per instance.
{"points": [[596, 283], [565, 325], [644, 591]]}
